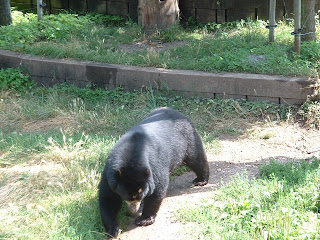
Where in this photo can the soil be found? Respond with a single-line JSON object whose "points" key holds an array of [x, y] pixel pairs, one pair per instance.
{"points": [[286, 142], [150, 46]]}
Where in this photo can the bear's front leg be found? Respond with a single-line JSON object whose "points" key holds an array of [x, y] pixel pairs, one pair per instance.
{"points": [[151, 206], [110, 205]]}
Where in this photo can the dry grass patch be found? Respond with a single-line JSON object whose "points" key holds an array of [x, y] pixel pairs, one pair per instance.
{"points": [[56, 123], [23, 184]]}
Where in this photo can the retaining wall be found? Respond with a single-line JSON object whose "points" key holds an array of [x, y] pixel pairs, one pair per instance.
{"points": [[253, 87]]}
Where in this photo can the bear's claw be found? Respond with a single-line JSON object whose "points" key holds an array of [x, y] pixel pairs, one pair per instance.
{"points": [[198, 182]]}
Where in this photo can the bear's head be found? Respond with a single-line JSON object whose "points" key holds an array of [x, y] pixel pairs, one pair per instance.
{"points": [[132, 185]]}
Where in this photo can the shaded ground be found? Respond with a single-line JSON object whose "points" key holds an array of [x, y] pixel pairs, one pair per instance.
{"points": [[150, 45], [157, 46], [282, 143]]}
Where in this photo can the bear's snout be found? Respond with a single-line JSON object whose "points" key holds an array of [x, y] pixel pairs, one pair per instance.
{"points": [[133, 206]]}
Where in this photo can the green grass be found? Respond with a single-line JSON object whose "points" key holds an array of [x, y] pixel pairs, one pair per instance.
{"points": [[283, 203], [54, 142], [212, 47]]}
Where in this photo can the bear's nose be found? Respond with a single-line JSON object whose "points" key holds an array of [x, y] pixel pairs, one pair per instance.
{"points": [[133, 206]]}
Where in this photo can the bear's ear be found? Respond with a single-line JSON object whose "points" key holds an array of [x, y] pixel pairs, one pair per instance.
{"points": [[118, 173], [148, 173]]}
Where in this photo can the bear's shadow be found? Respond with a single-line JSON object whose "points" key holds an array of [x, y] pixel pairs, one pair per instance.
{"points": [[220, 172]]}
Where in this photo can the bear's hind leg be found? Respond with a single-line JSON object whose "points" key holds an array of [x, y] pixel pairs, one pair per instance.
{"points": [[200, 166]]}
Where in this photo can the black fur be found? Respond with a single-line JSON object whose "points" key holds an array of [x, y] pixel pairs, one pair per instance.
{"points": [[139, 165]]}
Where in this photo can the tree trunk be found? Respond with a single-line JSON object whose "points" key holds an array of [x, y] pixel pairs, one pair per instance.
{"points": [[308, 20], [5, 13], [158, 14]]}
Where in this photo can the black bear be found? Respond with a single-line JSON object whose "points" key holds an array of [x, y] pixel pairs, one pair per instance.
{"points": [[139, 165]]}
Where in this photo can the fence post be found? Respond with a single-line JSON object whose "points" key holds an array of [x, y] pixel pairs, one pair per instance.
{"points": [[297, 25], [39, 9], [272, 20]]}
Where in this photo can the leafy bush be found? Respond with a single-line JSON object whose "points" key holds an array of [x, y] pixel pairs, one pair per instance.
{"points": [[310, 51], [107, 20], [12, 78], [61, 26]]}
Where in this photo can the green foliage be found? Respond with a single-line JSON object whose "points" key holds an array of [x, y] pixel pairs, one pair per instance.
{"points": [[61, 27], [191, 22], [225, 47], [310, 51], [180, 170], [225, 26], [107, 20], [56, 28], [310, 111], [174, 33], [19, 147], [283, 204], [12, 78], [294, 174], [28, 30]]}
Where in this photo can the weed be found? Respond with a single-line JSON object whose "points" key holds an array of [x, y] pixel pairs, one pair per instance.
{"points": [[180, 170], [310, 52], [12, 78], [310, 110], [107, 20], [311, 113]]}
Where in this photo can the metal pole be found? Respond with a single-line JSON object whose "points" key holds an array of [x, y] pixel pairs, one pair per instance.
{"points": [[39, 9], [297, 25], [272, 20]]}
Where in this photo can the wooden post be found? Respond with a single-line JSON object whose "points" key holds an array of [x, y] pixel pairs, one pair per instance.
{"points": [[297, 25], [272, 20], [39, 9]]}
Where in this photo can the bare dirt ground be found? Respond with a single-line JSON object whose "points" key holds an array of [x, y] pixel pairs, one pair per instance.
{"points": [[283, 143]]}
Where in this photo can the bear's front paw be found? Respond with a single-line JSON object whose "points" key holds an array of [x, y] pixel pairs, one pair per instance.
{"points": [[141, 221], [199, 182], [113, 232]]}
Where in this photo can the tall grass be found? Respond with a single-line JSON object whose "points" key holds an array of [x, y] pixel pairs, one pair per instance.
{"points": [[282, 204]]}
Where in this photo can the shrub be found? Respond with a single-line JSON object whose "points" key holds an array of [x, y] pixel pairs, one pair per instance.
{"points": [[12, 78], [310, 51]]}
